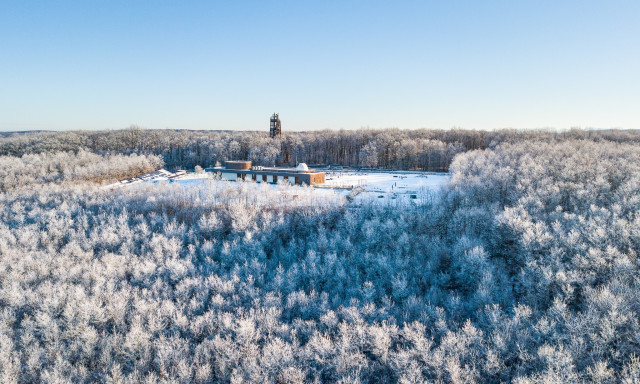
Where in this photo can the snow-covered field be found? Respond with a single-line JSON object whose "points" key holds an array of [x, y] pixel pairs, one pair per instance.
{"points": [[388, 187], [357, 186]]}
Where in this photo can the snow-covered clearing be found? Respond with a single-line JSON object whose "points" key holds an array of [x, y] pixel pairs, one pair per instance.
{"points": [[359, 187], [388, 187]]}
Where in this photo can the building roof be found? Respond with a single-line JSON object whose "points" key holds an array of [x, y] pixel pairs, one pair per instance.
{"points": [[271, 171]]}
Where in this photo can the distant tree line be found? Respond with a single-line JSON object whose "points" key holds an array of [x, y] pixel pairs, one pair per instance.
{"points": [[429, 150]]}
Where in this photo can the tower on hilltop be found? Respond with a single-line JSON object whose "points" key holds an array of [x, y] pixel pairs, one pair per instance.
{"points": [[275, 128]]}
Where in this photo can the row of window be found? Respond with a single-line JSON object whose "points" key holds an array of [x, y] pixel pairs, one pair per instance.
{"points": [[264, 178]]}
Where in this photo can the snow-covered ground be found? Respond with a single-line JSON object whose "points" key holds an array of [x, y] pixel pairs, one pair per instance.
{"points": [[360, 187], [388, 187], [155, 176]]}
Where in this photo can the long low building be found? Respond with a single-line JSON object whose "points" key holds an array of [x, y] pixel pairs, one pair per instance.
{"points": [[243, 170]]}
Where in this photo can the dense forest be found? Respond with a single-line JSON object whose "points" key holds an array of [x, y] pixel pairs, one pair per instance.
{"points": [[428, 150], [522, 269]]}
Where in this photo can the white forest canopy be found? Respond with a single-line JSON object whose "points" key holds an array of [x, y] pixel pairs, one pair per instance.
{"points": [[524, 270]]}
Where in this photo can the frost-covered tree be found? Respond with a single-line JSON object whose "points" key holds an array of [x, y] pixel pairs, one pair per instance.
{"points": [[523, 270]]}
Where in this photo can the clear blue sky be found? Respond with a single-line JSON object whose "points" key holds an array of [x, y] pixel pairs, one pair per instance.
{"points": [[320, 64]]}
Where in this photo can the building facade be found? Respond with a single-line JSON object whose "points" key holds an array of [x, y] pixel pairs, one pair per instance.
{"points": [[243, 170]]}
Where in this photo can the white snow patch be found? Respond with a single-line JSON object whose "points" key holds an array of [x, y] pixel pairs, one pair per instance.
{"points": [[388, 187]]}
